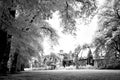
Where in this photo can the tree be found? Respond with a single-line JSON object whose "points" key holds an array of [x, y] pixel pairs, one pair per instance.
{"points": [[77, 51], [108, 34], [5, 43], [73, 10], [24, 33]]}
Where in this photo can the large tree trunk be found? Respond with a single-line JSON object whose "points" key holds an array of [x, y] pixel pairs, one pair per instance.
{"points": [[4, 50], [14, 60], [5, 38]]}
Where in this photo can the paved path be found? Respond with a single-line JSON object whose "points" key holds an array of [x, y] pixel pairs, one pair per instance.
{"points": [[65, 75]]}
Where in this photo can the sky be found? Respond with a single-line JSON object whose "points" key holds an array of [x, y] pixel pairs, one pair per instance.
{"points": [[85, 34]]}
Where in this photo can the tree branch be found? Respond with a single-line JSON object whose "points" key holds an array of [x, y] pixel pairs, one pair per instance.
{"points": [[117, 13]]}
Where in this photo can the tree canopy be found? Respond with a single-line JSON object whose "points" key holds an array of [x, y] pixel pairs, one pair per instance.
{"points": [[25, 21], [108, 34]]}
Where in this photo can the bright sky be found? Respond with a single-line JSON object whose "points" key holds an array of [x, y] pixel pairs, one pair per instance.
{"points": [[85, 34]]}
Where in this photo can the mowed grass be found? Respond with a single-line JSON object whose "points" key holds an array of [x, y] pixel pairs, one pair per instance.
{"points": [[65, 75]]}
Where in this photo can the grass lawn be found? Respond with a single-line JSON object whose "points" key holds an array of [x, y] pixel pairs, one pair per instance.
{"points": [[83, 74]]}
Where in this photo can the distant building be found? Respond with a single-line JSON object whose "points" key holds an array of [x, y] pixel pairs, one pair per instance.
{"points": [[85, 57], [89, 58]]}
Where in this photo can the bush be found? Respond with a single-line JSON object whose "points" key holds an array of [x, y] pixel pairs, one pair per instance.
{"points": [[113, 66]]}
